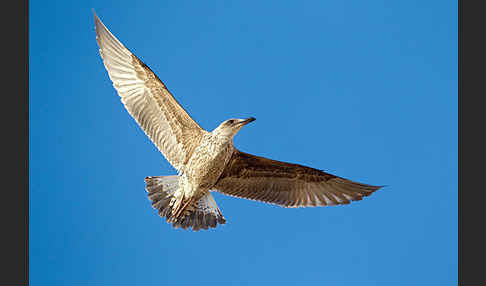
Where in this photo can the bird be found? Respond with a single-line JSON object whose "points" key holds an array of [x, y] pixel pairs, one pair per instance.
{"points": [[208, 161]]}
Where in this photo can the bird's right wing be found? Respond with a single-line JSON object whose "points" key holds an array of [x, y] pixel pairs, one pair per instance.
{"points": [[148, 100], [285, 184]]}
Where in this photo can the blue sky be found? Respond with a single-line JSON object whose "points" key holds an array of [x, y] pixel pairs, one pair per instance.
{"points": [[366, 90]]}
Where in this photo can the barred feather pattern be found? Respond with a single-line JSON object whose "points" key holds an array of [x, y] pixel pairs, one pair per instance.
{"points": [[148, 101], [162, 191], [286, 184]]}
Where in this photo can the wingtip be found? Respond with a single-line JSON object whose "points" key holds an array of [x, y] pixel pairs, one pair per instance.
{"points": [[98, 26], [96, 19]]}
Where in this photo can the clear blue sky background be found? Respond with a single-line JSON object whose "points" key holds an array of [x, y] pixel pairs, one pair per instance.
{"points": [[362, 89]]}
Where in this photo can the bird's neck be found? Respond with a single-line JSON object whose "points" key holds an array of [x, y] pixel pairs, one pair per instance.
{"points": [[223, 135]]}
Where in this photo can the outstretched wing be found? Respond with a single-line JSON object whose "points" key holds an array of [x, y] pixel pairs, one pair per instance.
{"points": [[148, 100], [289, 185]]}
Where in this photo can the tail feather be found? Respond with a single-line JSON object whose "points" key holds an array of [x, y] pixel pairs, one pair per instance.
{"points": [[161, 190], [202, 214], [206, 214]]}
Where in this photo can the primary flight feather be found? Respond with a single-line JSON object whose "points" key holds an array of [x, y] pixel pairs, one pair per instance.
{"points": [[208, 161]]}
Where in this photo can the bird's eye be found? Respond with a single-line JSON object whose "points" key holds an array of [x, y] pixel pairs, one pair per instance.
{"points": [[231, 121]]}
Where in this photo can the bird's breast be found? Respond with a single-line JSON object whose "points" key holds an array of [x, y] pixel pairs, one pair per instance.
{"points": [[208, 162]]}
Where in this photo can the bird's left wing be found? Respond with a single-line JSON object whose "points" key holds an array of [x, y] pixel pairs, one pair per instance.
{"points": [[148, 100], [285, 184]]}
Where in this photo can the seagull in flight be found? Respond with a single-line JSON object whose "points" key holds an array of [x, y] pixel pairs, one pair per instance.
{"points": [[208, 161]]}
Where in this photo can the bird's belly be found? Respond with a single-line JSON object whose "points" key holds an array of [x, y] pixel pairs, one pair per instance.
{"points": [[206, 166]]}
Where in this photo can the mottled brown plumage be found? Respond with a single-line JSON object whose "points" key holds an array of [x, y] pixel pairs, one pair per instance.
{"points": [[289, 185], [208, 161]]}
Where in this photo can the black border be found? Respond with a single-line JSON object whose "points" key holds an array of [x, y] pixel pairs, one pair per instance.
{"points": [[15, 143], [471, 175]]}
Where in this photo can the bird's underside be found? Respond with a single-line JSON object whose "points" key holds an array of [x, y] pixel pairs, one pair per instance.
{"points": [[207, 161]]}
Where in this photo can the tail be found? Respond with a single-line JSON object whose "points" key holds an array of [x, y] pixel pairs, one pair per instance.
{"points": [[162, 191]]}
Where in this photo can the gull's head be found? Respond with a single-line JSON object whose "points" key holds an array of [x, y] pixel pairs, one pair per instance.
{"points": [[230, 127]]}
